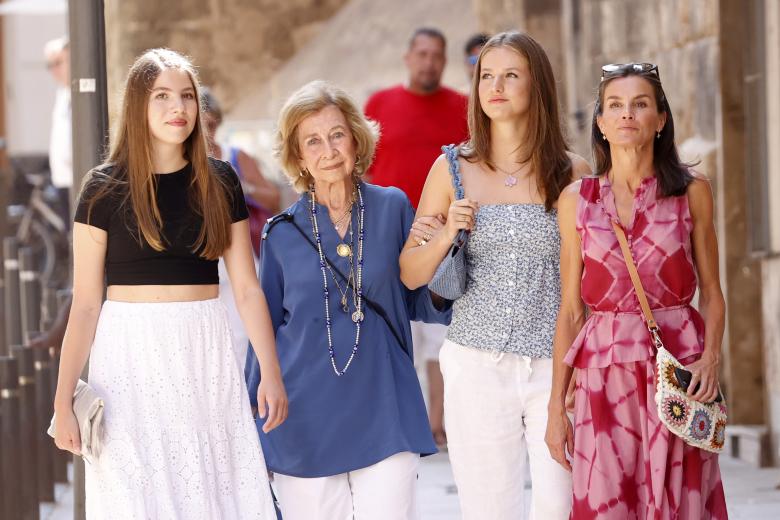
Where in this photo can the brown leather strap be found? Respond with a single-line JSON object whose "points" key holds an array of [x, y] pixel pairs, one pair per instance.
{"points": [[632, 272]]}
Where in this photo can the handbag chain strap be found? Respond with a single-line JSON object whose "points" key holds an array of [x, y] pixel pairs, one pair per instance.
{"points": [[652, 326]]}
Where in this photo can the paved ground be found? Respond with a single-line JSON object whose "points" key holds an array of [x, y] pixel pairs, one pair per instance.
{"points": [[752, 494]]}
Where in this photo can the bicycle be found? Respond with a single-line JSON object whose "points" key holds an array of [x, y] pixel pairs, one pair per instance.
{"points": [[40, 227]]}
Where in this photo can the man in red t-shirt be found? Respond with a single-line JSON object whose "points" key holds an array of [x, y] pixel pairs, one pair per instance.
{"points": [[417, 118]]}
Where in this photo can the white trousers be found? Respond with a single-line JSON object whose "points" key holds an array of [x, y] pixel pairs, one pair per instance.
{"points": [[495, 412], [385, 491]]}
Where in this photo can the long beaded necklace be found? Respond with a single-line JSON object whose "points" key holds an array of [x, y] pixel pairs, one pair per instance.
{"points": [[357, 316]]}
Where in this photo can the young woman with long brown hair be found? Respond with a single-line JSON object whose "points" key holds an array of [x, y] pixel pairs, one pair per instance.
{"points": [[180, 441], [496, 361]]}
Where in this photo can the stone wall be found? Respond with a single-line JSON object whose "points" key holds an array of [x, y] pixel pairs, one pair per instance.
{"points": [[362, 50], [539, 18], [740, 271], [685, 47], [237, 44], [770, 270], [770, 267]]}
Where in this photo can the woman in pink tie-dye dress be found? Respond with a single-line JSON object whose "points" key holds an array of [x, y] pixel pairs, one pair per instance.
{"points": [[625, 463]]}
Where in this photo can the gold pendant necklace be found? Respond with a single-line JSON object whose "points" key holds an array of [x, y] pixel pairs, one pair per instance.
{"points": [[344, 250]]}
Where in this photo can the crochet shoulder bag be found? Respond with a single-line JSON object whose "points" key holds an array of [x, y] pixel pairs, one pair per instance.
{"points": [[702, 425]]}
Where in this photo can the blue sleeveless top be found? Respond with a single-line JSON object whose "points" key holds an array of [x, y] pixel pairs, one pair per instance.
{"points": [[513, 289]]}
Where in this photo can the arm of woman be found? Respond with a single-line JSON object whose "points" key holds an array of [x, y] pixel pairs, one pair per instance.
{"points": [[419, 262], [89, 254], [571, 317], [260, 189], [711, 303], [422, 304], [253, 309]]}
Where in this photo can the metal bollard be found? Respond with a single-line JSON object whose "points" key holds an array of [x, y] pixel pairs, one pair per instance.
{"points": [[61, 458], [62, 297], [48, 306], [13, 322], [42, 364], [28, 427], [3, 347], [10, 438], [29, 293]]}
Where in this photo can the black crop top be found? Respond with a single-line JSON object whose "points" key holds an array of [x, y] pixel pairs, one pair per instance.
{"points": [[130, 263]]}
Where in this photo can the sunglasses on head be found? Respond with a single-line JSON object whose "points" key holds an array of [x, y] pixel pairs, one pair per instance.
{"points": [[616, 69]]}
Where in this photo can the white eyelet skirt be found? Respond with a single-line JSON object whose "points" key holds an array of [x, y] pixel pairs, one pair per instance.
{"points": [[180, 441]]}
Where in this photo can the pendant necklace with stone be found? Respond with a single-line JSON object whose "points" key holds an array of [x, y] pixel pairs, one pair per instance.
{"points": [[511, 180]]}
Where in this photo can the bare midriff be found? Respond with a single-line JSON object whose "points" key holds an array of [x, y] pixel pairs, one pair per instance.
{"points": [[161, 293]]}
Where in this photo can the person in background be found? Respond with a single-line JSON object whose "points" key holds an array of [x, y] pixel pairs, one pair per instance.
{"points": [[262, 201], [57, 54], [262, 196], [471, 53], [416, 119]]}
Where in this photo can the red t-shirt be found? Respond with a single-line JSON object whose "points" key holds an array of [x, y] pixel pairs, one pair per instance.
{"points": [[413, 129]]}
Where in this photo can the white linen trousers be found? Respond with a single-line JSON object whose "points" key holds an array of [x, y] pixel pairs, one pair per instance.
{"points": [[495, 411]]}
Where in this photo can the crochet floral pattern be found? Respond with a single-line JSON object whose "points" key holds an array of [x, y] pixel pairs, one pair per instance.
{"points": [[719, 436], [701, 425], [669, 377], [675, 410]]}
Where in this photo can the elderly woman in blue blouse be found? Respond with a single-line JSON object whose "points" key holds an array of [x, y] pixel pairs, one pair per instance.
{"points": [[350, 447]]}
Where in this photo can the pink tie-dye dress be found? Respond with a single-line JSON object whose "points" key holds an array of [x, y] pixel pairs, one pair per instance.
{"points": [[627, 465]]}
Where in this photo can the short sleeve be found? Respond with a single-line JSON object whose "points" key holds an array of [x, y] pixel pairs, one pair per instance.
{"points": [[238, 210], [96, 212]]}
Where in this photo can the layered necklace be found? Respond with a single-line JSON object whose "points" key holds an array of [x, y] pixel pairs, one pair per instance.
{"points": [[357, 316], [344, 250]]}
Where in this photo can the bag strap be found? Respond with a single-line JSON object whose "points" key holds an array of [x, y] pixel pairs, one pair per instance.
{"points": [[652, 326], [451, 153]]}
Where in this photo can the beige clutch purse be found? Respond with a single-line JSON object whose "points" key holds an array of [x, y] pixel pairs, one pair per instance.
{"points": [[88, 409]]}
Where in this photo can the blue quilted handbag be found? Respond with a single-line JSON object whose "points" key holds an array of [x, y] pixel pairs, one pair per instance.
{"points": [[450, 278]]}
